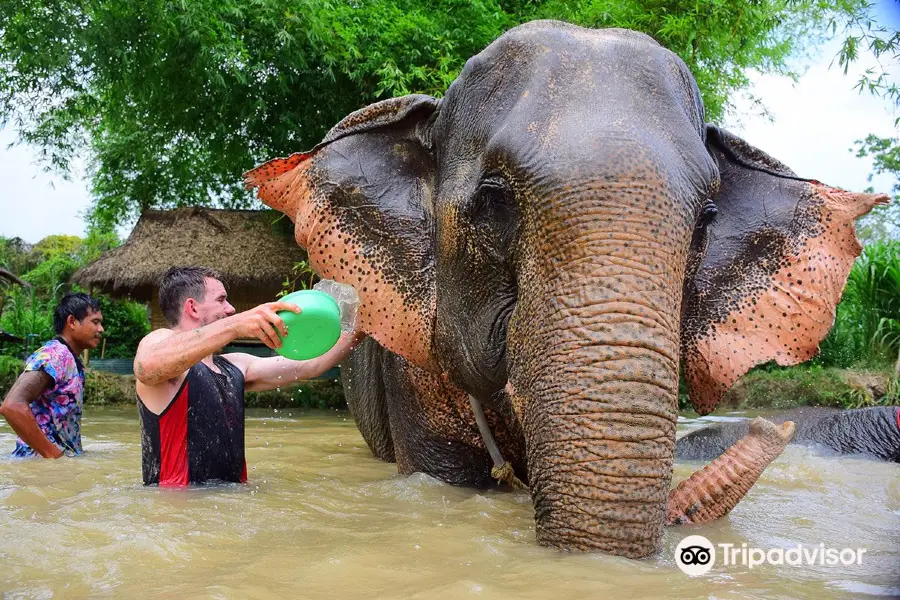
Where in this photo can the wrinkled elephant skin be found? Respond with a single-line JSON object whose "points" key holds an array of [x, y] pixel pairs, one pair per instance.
{"points": [[554, 238]]}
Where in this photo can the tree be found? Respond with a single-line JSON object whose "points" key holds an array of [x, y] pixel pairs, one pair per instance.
{"points": [[7, 280], [173, 101], [43, 271], [884, 44], [883, 223]]}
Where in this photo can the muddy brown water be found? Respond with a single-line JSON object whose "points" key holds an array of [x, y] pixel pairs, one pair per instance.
{"points": [[321, 518]]}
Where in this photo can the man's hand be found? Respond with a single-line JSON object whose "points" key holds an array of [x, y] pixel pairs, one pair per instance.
{"points": [[262, 323]]}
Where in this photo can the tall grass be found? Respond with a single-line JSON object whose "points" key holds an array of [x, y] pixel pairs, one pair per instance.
{"points": [[867, 325]]}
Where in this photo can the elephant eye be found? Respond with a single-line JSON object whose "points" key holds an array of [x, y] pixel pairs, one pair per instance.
{"points": [[707, 214], [493, 213], [493, 192]]}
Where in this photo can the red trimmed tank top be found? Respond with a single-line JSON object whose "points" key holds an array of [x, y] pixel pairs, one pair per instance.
{"points": [[199, 437]]}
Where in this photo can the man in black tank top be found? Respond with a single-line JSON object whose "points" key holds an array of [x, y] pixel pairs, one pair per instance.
{"points": [[191, 403]]}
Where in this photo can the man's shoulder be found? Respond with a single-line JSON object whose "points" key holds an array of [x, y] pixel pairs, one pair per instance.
{"points": [[157, 334], [50, 346], [241, 360], [52, 352]]}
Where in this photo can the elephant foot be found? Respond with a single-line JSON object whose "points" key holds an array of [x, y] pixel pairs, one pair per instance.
{"points": [[714, 490]]}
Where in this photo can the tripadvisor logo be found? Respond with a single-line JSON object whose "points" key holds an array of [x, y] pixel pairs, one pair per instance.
{"points": [[695, 555]]}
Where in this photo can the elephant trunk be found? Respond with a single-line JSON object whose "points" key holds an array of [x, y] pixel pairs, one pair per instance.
{"points": [[593, 365]]}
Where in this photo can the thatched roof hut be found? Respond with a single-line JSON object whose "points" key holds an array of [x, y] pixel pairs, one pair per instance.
{"points": [[254, 251]]}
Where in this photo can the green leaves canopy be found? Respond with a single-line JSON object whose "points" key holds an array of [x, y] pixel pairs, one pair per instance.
{"points": [[172, 101]]}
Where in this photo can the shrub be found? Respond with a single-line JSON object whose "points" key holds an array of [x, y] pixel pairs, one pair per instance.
{"points": [[10, 368], [125, 323], [810, 385], [102, 388], [323, 394]]}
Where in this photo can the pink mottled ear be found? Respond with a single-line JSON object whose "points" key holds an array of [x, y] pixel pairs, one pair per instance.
{"points": [[280, 183], [768, 272], [361, 204]]}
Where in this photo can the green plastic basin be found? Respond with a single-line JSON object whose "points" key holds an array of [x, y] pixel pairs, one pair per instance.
{"points": [[315, 330]]}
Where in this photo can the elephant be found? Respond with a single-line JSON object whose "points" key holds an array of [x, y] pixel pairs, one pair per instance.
{"points": [[551, 242], [872, 431]]}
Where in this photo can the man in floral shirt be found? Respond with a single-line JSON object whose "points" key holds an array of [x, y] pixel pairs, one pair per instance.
{"points": [[44, 405]]}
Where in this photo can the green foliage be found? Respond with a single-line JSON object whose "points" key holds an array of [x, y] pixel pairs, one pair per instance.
{"points": [[865, 33], [102, 388], [302, 277], [808, 385], [885, 153], [869, 311], [28, 312], [773, 387], [124, 324], [16, 255], [883, 223], [28, 316], [10, 369], [324, 394], [173, 101], [804, 386], [96, 243]]}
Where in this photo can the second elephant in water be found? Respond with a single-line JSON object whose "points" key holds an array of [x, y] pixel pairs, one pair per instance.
{"points": [[553, 239], [872, 431]]}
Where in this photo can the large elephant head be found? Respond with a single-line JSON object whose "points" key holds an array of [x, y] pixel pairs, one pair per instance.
{"points": [[555, 235]]}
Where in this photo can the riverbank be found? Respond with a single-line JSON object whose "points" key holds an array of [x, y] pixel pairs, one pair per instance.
{"points": [[777, 388], [808, 385], [102, 389], [108, 388]]}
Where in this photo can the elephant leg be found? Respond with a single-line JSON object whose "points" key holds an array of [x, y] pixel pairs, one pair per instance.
{"points": [[434, 429], [714, 490], [362, 378]]}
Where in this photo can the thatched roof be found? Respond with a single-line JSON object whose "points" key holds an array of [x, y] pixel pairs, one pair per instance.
{"points": [[247, 247]]}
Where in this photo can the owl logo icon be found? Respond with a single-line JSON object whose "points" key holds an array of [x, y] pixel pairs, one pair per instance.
{"points": [[695, 555]]}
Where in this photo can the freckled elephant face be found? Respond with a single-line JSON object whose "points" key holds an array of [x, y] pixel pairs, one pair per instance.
{"points": [[565, 225]]}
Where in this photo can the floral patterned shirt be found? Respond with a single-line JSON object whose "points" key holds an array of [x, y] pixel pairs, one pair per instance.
{"points": [[58, 409]]}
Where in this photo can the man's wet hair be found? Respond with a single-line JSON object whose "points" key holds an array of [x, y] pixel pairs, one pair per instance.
{"points": [[180, 283], [78, 305]]}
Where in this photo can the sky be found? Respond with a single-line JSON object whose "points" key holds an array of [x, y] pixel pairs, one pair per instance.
{"points": [[816, 122]]}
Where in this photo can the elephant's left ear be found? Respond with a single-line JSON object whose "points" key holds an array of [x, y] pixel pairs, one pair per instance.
{"points": [[769, 270]]}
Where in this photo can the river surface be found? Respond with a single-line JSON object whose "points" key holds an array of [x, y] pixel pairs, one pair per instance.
{"points": [[321, 518]]}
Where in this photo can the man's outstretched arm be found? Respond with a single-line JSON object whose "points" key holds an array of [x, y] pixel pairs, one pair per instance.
{"points": [[17, 412], [268, 373], [165, 354]]}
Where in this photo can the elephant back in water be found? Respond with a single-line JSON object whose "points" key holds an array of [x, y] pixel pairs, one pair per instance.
{"points": [[551, 239], [873, 431]]}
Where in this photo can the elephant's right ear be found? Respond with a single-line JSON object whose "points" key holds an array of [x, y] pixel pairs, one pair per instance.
{"points": [[769, 270], [361, 203]]}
